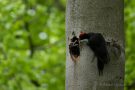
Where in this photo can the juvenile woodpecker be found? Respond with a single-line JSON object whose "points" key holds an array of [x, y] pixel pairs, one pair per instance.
{"points": [[74, 47]]}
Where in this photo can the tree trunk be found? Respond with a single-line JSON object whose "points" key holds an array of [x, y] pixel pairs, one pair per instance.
{"points": [[105, 17]]}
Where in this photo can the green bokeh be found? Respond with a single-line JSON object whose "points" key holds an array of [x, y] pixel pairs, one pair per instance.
{"points": [[129, 18], [32, 46]]}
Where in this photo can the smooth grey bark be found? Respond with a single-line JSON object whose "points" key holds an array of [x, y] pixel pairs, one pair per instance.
{"points": [[105, 17]]}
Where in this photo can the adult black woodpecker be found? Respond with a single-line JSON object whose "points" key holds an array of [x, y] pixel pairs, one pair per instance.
{"points": [[97, 44], [74, 47]]}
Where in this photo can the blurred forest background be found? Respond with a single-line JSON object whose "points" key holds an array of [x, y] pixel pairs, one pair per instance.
{"points": [[32, 44], [129, 18]]}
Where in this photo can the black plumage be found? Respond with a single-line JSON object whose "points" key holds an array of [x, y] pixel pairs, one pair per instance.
{"points": [[97, 44]]}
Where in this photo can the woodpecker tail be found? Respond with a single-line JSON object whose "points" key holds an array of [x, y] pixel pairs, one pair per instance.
{"points": [[100, 66]]}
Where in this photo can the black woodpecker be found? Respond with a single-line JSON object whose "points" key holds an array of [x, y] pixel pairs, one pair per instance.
{"points": [[97, 44]]}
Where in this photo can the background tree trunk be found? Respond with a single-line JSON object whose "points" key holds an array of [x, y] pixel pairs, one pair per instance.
{"points": [[105, 17]]}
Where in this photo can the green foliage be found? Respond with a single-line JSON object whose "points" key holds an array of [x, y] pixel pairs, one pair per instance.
{"points": [[32, 46], [129, 12]]}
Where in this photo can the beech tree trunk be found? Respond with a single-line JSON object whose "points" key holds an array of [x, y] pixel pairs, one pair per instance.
{"points": [[105, 17]]}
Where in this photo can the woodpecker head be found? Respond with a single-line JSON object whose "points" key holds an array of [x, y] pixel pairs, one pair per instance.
{"points": [[82, 35]]}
